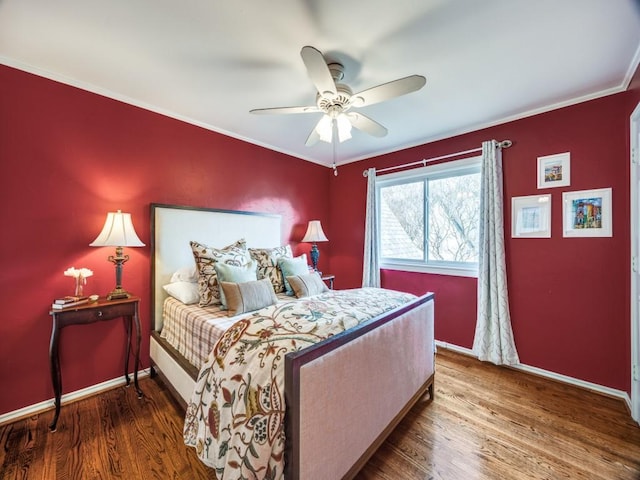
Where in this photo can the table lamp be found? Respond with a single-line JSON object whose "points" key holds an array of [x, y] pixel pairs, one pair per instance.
{"points": [[118, 232], [314, 234]]}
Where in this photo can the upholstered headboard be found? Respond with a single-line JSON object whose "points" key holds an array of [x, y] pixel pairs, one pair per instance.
{"points": [[173, 227]]}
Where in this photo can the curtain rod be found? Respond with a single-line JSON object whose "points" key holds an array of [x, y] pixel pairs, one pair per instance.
{"points": [[423, 162]]}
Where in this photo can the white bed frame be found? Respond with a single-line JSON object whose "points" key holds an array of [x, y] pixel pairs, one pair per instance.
{"points": [[334, 422]]}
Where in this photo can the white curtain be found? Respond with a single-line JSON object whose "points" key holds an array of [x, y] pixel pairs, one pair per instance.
{"points": [[371, 266], [494, 337]]}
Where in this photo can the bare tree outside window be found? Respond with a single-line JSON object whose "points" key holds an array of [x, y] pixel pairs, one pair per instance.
{"points": [[453, 218], [452, 205], [402, 221]]}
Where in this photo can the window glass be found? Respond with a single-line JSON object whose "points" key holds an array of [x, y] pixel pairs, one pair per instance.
{"points": [[453, 218], [402, 221], [441, 204]]}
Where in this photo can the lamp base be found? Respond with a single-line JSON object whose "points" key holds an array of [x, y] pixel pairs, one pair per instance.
{"points": [[315, 256], [118, 293], [118, 260]]}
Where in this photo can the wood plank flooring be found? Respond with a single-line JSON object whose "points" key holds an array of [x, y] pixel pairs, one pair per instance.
{"points": [[489, 422], [486, 422]]}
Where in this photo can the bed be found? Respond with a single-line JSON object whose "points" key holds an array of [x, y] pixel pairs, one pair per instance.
{"points": [[341, 395]]}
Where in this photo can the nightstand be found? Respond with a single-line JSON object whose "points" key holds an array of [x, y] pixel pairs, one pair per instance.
{"points": [[98, 311], [329, 278]]}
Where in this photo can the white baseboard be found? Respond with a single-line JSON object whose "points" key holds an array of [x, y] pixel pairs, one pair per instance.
{"points": [[15, 415], [21, 413], [611, 392]]}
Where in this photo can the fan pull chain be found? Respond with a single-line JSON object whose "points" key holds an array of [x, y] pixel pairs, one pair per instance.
{"points": [[334, 141]]}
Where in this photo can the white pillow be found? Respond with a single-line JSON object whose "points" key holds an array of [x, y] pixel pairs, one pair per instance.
{"points": [[186, 292], [185, 274]]}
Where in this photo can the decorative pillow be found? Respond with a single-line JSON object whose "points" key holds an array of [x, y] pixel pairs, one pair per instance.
{"points": [[232, 273], [248, 296], [185, 274], [267, 259], [307, 284], [186, 292], [206, 257], [291, 267]]}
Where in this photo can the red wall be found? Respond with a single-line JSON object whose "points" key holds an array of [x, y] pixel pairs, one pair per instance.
{"points": [[68, 157], [569, 297]]}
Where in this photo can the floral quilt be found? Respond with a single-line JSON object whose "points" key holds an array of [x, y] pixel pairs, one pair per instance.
{"points": [[235, 419]]}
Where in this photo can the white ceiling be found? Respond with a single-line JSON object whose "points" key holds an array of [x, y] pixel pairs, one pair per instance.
{"points": [[209, 62]]}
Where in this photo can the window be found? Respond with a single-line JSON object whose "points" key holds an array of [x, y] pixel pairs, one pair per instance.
{"points": [[429, 220]]}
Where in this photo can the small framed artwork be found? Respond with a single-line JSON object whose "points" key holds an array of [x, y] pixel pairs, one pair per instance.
{"points": [[531, 216], [587, 213], [554, 170]]}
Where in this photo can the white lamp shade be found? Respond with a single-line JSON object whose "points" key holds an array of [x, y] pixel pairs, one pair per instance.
{"points": [[118, 231], [314, 232]]}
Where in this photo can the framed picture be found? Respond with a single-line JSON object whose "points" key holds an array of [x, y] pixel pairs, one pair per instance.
{"points": [[587, 213], [554, 170], [531, 216]]}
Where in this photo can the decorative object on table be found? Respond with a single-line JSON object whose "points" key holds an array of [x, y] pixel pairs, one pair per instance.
{"points": [[68, 302], [80, 275], [69, 299], [531, 216], [118, 232], [314, 234], [587, 213], [554, 170]]}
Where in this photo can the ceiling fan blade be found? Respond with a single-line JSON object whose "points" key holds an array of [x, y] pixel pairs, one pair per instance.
{"points": [[260, 111], [392, 89], [364, 123], [318, 71]]}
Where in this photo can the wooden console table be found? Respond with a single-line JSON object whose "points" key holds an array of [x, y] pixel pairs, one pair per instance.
{"points": [[98, 311]]}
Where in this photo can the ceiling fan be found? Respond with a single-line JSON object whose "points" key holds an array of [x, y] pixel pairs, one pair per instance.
{"points": [[335, 100]]}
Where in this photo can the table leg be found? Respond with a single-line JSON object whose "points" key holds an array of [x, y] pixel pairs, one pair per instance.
{"points": [[137, 352], [56, 376], [127, 325]]}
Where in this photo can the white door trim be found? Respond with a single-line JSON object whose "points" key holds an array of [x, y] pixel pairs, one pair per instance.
{"points": [[634, 212]]}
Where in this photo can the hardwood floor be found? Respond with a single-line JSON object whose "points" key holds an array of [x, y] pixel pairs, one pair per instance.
{"points": [[489, 422], [486, 422]]}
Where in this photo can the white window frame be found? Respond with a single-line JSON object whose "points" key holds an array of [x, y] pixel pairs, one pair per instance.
{"points": [[440, 170]]}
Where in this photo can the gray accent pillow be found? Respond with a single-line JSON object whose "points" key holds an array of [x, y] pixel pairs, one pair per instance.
{"points": [[248, 296], [307, 285]]}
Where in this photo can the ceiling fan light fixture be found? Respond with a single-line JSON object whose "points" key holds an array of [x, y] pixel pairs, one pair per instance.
{"points": [[344, 127], [324, 128], [335, 100]]}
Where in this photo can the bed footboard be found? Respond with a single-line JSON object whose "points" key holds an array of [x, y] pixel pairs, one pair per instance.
{"points": [[353, 389]]}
